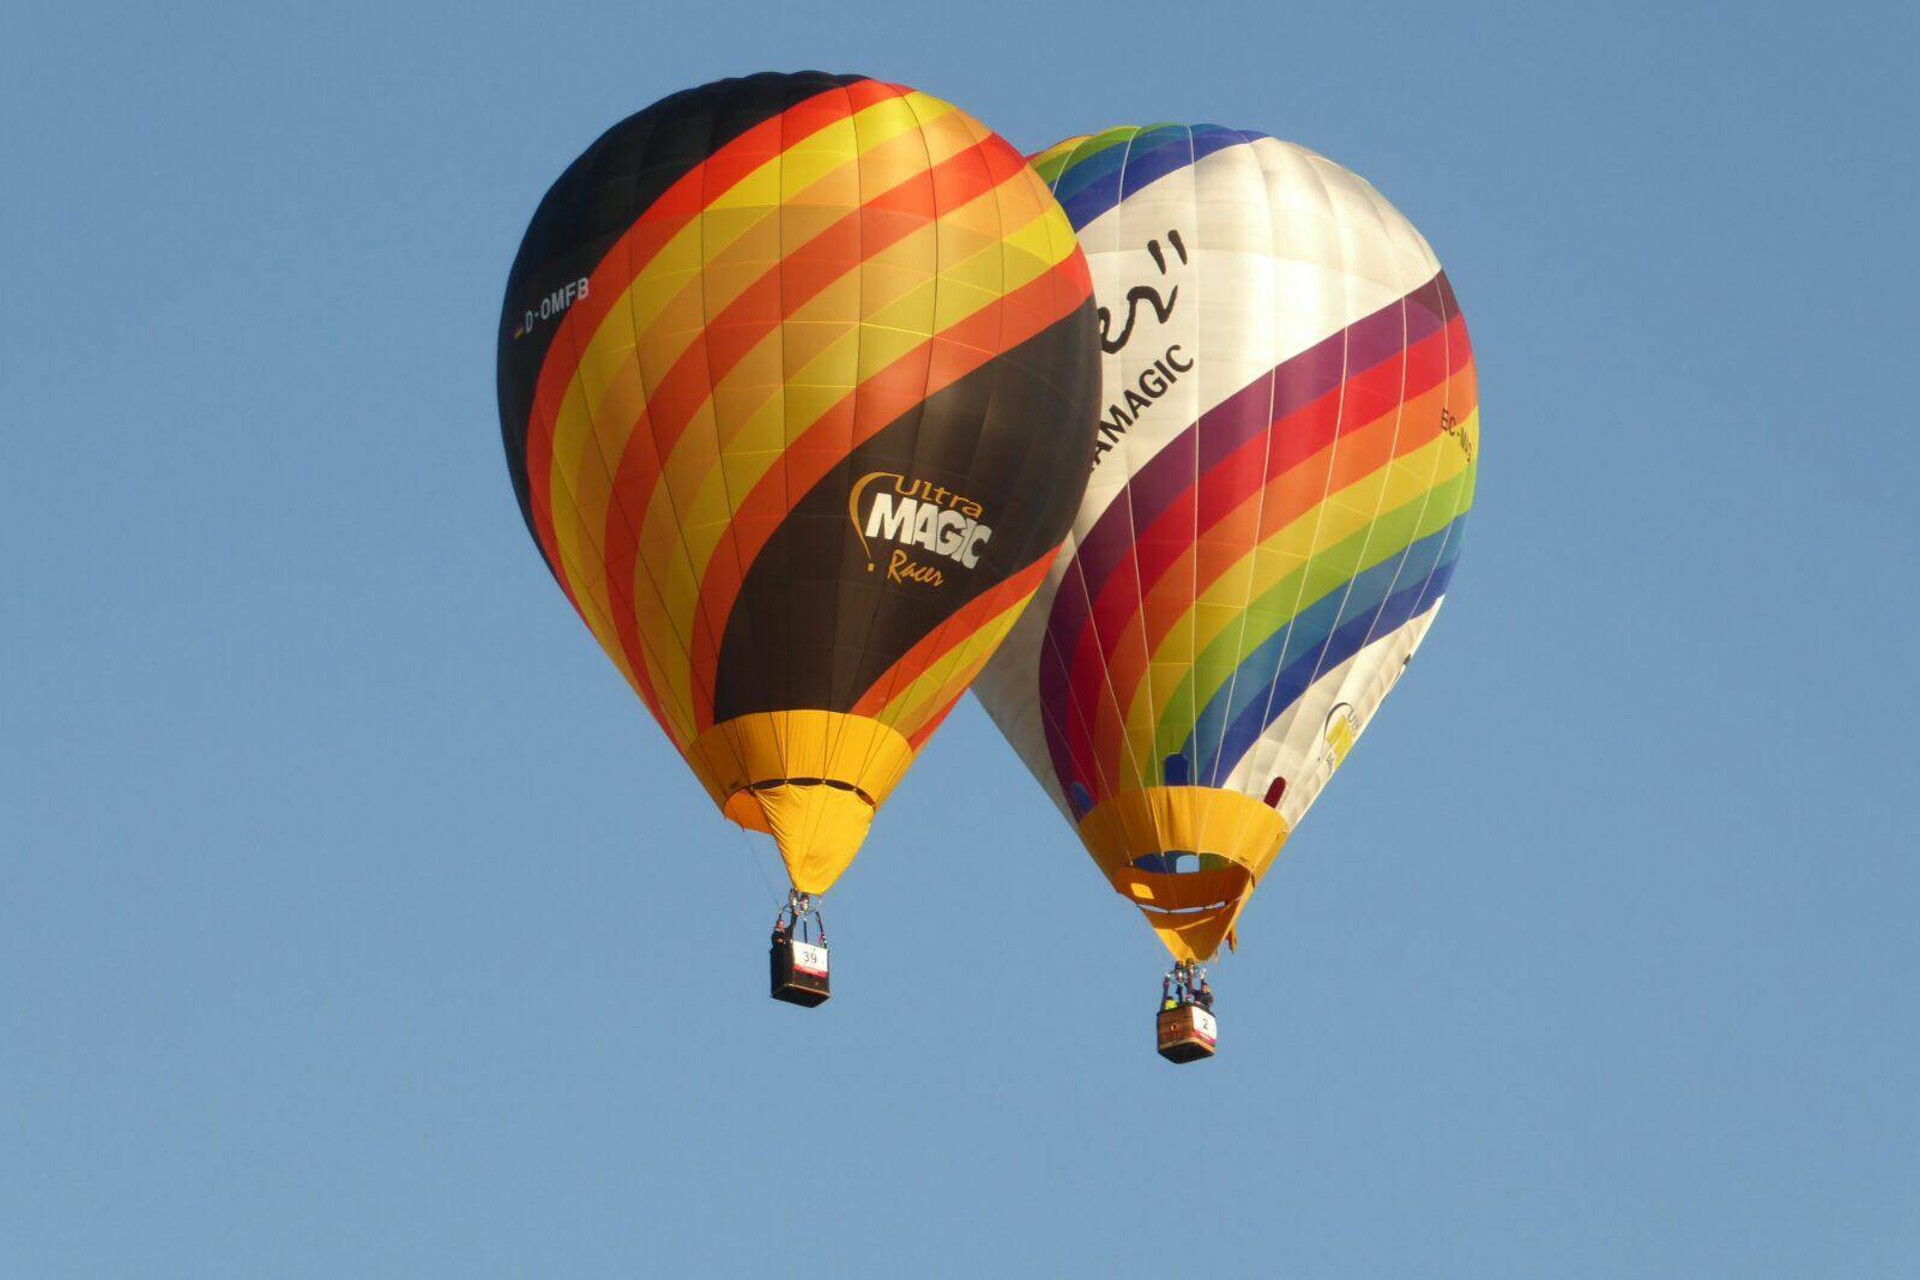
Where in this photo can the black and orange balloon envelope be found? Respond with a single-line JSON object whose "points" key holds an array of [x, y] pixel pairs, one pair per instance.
{"points": [[797, 375]]}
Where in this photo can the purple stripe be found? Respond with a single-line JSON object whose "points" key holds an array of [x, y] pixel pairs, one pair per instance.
{"points": [[1294, 384], [1289, 387], [1436, 297]]}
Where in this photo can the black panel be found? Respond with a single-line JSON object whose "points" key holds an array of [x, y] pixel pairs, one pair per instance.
{"points": [[818, 619], [598, 198]]}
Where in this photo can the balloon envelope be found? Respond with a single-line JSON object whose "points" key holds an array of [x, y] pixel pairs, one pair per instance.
{"points": [[1286, 458], [796, 379]]}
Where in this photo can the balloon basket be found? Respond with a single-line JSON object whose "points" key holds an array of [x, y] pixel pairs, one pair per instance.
{"points": [[798, 957], [1187, 1033], [800, 973]]}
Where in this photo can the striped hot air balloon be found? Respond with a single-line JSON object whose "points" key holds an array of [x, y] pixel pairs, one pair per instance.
{"points": [[1289, 435], [797, 377]]}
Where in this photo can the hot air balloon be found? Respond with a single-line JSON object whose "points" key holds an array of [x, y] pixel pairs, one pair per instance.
{"points": [[1287, 453], [797, 377]]}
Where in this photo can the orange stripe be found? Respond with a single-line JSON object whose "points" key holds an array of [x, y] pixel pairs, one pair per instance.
{"points": [[918, 738], [664, 219], [902, 385], [741, 326], [657, 225], [951, 634], [670, 291], [1015, 593], [1428, 366], [676, 402], [1396, 430], [929, 368], [961, 682]]}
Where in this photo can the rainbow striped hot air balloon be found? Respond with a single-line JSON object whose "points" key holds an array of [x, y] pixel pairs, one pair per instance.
{"points": [[1289, 435], [797, 377]]}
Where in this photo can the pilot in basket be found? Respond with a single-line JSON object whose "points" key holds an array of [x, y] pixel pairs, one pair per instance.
{"points": [[1186, 1030]]}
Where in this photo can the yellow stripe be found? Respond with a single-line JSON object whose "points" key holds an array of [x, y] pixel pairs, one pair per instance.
{"points": [[703, 489], [606, 396], [909, 710], [599, 621], [1223, 603], [580, 487], [587, 443], [597, 611]]}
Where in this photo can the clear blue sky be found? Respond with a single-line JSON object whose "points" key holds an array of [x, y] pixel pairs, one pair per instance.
{"points": [[354, 921]]}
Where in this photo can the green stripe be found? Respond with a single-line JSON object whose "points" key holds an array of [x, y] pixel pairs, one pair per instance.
{"points": [[1052, 166], [1326, 572]]}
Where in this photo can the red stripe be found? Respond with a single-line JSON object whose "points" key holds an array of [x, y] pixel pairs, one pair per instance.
{"points": [[1120, 643], [1267, 490], [1294, 440], [875, 404], [955, 631], [799, 276], [640, 244], [960, 685], [1359, 454], [792, 282]]}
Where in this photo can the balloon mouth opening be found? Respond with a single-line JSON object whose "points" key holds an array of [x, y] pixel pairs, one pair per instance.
{"points": [[1182, 862], [1151, 909], [1187, 857], [1192, 914], [771, 784], [817, 824]]}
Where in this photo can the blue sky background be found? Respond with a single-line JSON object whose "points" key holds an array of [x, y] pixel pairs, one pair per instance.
{"points": [[354, 920]]}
